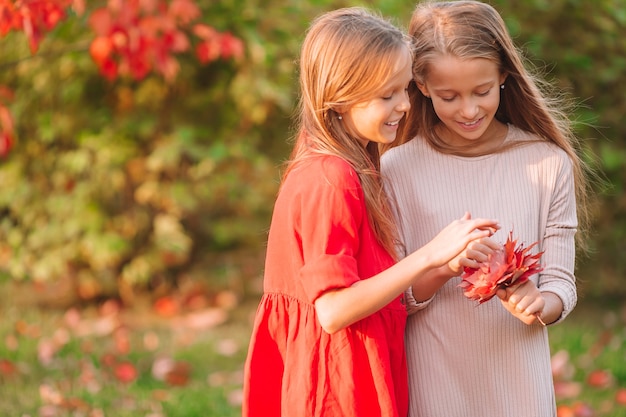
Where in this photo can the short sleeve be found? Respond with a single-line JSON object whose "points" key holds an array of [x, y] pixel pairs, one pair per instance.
{"points": [[332, 211]]}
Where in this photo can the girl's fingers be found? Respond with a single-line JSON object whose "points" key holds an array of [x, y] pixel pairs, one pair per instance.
{"points": [[477, 255], [538, 316]]}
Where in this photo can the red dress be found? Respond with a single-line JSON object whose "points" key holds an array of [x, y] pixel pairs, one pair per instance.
{"points": [[320, 239]]}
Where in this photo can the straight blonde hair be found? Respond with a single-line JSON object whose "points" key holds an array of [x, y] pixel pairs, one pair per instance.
{"points": [[347, 56]]}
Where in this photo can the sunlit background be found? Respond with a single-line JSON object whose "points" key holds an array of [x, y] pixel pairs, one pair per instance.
{"points": [[140, 152]]}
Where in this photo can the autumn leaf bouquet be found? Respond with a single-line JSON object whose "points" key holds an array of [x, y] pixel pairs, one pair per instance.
{"points": [[512, 264]]}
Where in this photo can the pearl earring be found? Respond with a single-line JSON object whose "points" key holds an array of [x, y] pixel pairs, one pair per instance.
{"points": [[501, 86], [340, 117]]}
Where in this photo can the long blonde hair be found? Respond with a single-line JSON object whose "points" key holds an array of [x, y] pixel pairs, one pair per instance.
{"points": [[346, 58], [472, 29]]}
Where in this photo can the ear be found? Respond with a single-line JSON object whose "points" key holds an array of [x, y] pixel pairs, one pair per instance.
{"points": [[503, 77], [340, 108], [423, 89]]}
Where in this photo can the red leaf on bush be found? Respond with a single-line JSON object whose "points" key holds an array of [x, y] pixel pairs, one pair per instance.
{"points": [[100, 49], [101, 21], [184, 10], [143, 36], [109, 69], [32, 17], [510, 265], [6, 130], [6, 143], [203, 31], [207, 51], [232, 47]]}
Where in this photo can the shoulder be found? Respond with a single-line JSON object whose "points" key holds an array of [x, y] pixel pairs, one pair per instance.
{"points": [[539, 148], [325, 170], [405, 148], [394, 158], [323, 184]]}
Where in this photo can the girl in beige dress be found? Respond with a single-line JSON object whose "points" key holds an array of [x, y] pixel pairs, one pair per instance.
{"points": [[481, 137]]}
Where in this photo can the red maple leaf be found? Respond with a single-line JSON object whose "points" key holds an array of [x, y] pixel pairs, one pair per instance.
{"points": [[510, 265]]}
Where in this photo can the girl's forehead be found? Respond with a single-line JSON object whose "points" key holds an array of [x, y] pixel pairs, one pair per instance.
{"points": [[448, 70], [401, 68], [394, 67], [448, 59]]}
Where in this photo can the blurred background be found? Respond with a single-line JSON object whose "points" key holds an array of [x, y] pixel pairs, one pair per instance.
{"points": [[140, 153]]}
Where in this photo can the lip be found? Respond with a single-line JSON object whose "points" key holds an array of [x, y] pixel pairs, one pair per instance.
{"points": [[473, 125], [392, 126], [395, 123]]}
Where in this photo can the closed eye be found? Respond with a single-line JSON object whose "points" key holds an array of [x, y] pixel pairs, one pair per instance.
{"points": [[404, 90]]}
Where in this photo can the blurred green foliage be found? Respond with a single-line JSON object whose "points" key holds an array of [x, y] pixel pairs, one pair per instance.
{"points": [[124, 185], [581, 47]]}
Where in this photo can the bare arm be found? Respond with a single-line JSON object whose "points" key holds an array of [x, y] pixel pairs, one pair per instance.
{"points": [[340, 308], [432, 280], [337, 309]]}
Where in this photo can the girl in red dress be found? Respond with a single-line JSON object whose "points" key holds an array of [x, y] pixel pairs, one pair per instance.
{"points": [[328, 334]]}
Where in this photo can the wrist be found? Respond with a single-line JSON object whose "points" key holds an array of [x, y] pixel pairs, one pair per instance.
{"points": [[431, 283], [553, 308], [446, 272]]}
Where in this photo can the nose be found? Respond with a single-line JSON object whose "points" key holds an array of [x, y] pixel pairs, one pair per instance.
{"points": [[404, 105], [469, 109]]}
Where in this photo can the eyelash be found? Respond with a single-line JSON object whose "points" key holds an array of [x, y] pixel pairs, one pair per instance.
{"points": [[478, 94], [406, 90]]}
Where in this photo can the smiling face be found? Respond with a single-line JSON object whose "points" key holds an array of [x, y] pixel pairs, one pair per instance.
{"points": [[466, 94], [377, 119]]}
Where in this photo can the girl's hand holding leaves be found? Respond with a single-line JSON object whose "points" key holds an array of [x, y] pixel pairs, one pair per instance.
{"points": [[504, 267]]}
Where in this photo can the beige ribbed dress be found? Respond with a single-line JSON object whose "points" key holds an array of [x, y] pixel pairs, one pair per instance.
{"points": [[469, 360]]}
